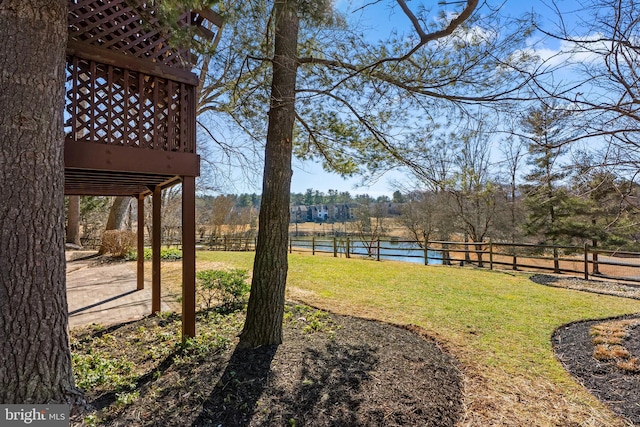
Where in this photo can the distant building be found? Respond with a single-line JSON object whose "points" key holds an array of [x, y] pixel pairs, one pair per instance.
{"points": [[340, 212], [320, 213]]}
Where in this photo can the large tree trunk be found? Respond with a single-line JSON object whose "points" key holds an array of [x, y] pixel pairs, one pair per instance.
{"points": [[117, 214], [263, 325], [35, 360], [73, 220]]}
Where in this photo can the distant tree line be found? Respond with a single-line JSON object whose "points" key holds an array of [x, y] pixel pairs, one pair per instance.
{"points": [[316, 197]]}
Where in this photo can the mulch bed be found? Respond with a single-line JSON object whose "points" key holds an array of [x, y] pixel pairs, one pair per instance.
{"points": [[368, 374], [618, 389], [331, 371], [603, 287], [574, 348]]}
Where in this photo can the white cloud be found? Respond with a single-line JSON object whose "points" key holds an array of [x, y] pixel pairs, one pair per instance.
{"points": [[583, 50]]}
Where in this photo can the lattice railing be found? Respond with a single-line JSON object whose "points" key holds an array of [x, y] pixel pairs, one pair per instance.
{"points": [[112, 105], [117, 26]]}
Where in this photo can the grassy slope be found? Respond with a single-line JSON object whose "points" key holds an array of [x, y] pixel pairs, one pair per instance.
{"points": [[497, 324]]}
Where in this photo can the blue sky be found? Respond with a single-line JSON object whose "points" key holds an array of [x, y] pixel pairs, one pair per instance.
{"points": [[311, 175]]}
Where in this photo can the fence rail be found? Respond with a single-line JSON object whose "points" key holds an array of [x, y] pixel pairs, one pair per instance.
{"points": [[225, 243], [582, 261]]}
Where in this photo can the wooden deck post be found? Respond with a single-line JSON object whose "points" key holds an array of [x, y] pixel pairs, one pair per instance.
{"points": [[188, 257], [140, 275], [156, 237]]}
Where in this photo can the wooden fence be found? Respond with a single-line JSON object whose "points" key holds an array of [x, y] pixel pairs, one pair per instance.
{"points": [[226, 243], [582, 261]]}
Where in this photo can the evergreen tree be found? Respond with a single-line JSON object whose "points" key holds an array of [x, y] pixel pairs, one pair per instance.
{"points": [[551, 208], [610, 217], [398, 197]]}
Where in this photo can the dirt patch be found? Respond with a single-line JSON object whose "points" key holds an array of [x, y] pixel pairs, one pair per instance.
{"points": [[331, 370]]}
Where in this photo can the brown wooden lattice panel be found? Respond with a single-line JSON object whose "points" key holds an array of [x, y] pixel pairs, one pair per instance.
{"points": [[113, 105], [118, 26]]}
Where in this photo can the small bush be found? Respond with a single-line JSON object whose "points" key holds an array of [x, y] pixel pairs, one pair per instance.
{"points": [[228, 288], [118, 243], [168, 254], [132, 255]]}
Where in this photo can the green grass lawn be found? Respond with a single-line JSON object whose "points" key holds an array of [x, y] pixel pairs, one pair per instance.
{"points": [[498, 324]]}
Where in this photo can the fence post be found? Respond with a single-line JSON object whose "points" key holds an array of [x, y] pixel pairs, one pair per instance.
{"points": [[378, 251], [515, 262], [586, 261], [490, 255], [313, 245], [335, 247], [556, 263], [467, 251], [426, 252], [348, 249], [446, 257], [225, 243], [290, 245]]}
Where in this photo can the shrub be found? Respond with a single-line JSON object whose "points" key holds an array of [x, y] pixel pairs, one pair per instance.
{"points": [[118, 243], [169, 254], [228, 288]]}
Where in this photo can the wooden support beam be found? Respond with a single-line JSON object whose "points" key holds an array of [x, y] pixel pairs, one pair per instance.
{"points": [[188, 257], [118, 59], [156, 237], [140, 275], [107, 157]]}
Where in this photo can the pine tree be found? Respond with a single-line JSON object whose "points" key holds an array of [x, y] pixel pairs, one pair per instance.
{"points": [[550, 205]]}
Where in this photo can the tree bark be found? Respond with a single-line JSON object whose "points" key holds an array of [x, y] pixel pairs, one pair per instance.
{"points": [[35, 359], [73, 220], [265, 311], [117, 214]]}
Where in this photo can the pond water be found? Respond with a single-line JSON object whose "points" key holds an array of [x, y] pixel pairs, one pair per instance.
{"points": [[389, 250]]}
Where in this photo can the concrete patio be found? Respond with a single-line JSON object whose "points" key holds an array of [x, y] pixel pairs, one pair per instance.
{"points": [[105, 294]]}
